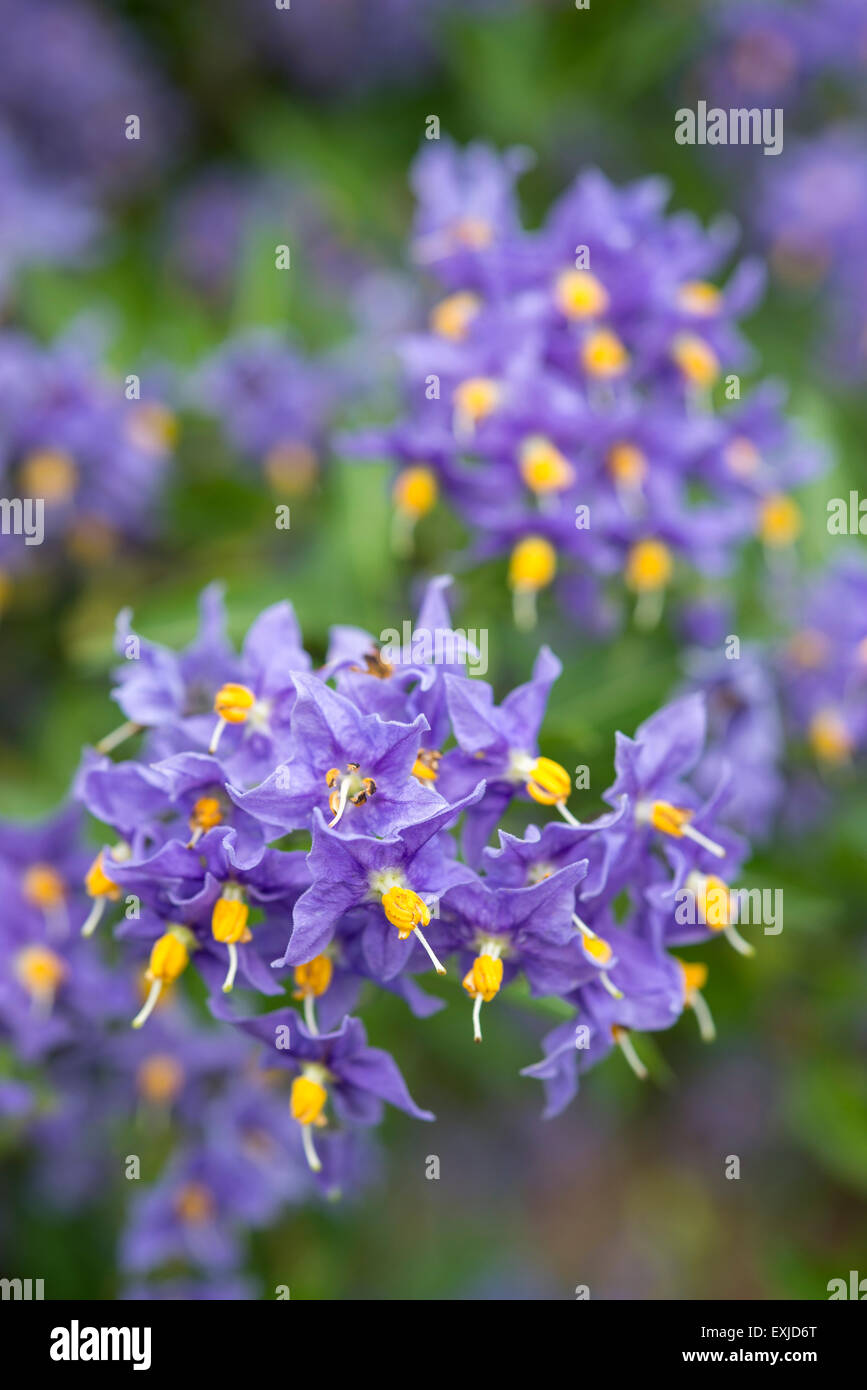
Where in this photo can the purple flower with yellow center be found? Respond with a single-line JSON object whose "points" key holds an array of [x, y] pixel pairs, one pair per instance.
{"points": [[274, 404], [201, 900], [821, 670], [179, 798], [394, 880], [52, 992], [650, 992], [337, 1067], [172, 1068], [500, 743], [358, 767], [565, 411], [41, 871], [467, 216], [745, 731], [651, 769], [195, 1212], [543, 850], [401, 674], [501, 932], [197, 695]]}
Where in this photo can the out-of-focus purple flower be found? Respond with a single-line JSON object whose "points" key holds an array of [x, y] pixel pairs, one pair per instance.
{"points": [[561, 399], [70, 77], [88, 460], [273, 403], [41, 223]]}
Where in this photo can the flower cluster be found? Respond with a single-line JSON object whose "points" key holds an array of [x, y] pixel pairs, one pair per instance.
{"points": [[561, 400], [70, 76], [86, 1096], [809, 208], [823, 665], [273, 404], [395, 767], [791, 715], [81, 463]]}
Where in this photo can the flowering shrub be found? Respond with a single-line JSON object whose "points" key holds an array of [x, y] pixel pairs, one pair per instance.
{"points": [[378, 764], [561, 400], [808, 210], [88, 461]]}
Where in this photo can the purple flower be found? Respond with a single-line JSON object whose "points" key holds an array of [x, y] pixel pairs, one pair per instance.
{"points": [[357, 766], [337, 1068]]}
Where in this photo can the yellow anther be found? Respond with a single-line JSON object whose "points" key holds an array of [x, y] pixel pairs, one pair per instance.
{"points": [[206, 813], [313, 978], [426, 765], [416, 490], [597, 949], [713, 901], [160, 1078], [451, 318], [780, 520], [229, 921], [40, 971], [291, 467], [97, 882], [233, 703], [194, 1203], [603, 354], [579, 295], [649, 567], [170, 956], [669, 819], [474, 232], [375, 665], [484, 978], [627, 465], [476, 398], [694, 977], [51, 474], [741, 456], [698, 297], [42, 886], [548, 782], [307, 1100], [543, 467], [808, 649], [830, 738], [405, 910], [91, 540], [349, 788], [532, 564], [696, 359], [153, 427]]}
